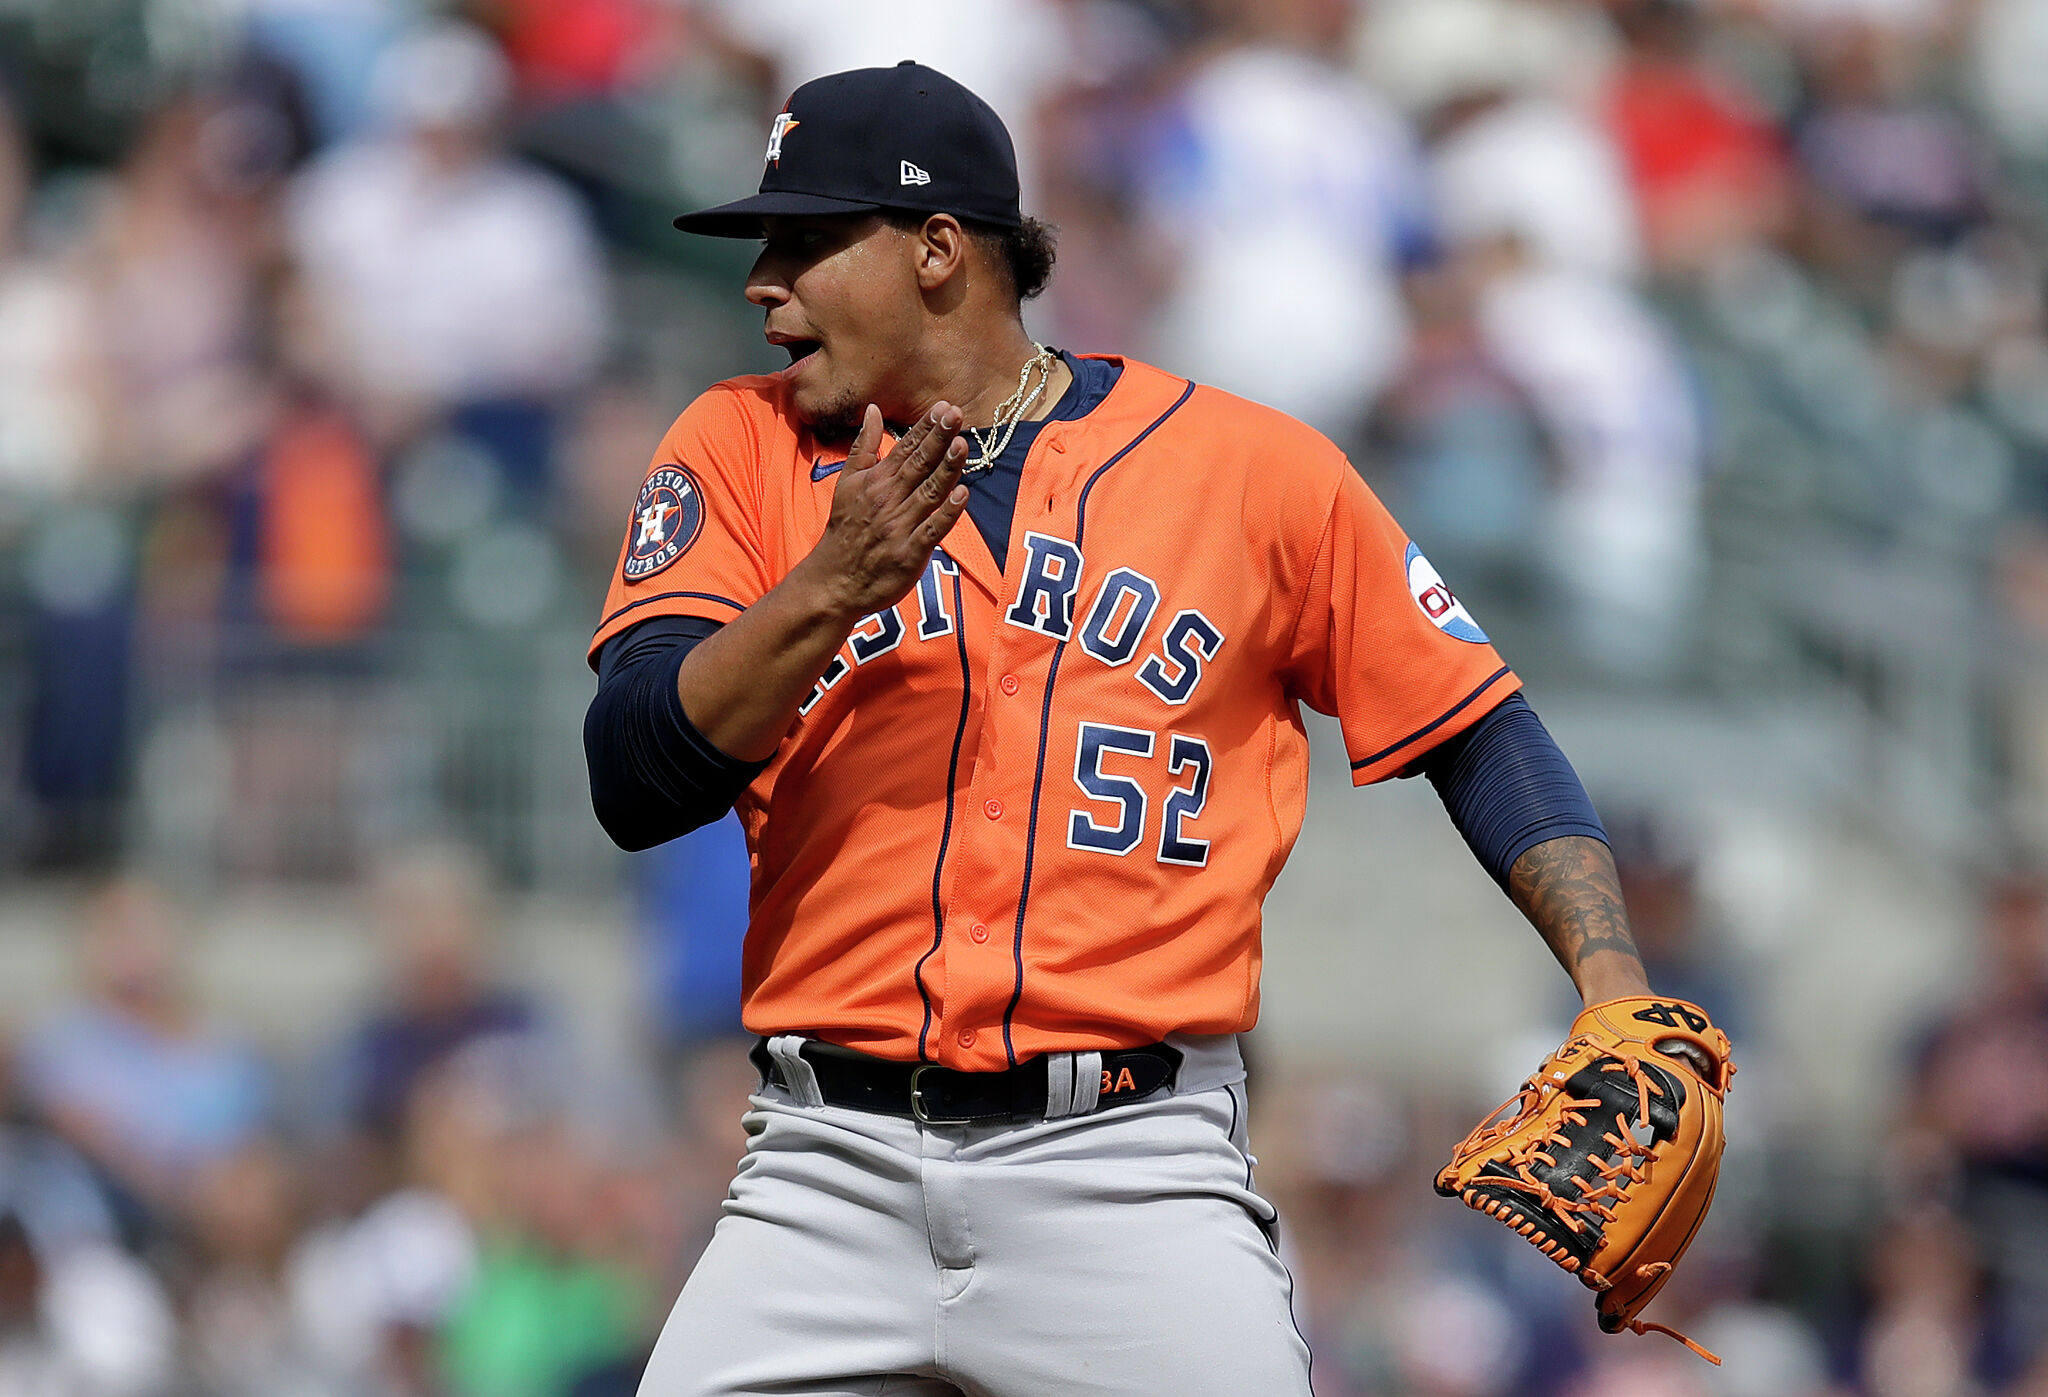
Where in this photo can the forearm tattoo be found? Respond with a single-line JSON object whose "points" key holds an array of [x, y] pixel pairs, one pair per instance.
{"points": [[1567, 889]]}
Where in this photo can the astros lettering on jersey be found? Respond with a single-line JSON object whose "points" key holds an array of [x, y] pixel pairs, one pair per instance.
{"points": [[1036, 808]]}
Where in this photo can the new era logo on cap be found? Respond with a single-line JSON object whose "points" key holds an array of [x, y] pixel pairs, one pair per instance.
{"points": [[913, 175]]}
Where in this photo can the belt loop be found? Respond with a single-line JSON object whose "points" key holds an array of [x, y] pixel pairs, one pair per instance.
{"points": [[1087, 1082], [1059, 1085], [797, 1074]]}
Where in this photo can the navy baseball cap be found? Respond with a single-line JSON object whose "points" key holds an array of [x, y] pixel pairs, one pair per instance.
{"points": [[906, 137]]}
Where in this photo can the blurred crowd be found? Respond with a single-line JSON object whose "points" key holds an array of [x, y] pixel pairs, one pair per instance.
{"points": [[455, 1196], [439, 1202], [335, 335]]}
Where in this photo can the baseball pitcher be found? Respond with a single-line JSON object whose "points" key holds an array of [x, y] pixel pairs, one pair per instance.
{"points": [[1000, 653]]}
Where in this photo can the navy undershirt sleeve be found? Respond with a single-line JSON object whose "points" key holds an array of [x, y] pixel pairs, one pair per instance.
{"points": [[1508, 787], [653, 776]]}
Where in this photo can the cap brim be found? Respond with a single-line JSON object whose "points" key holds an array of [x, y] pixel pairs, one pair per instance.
{"points": [[742, 217]]}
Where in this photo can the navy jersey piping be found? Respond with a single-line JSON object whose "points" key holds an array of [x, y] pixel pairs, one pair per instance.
{"points": [[945, 835], [1453, 711], [667, 596], [1045, 728]]}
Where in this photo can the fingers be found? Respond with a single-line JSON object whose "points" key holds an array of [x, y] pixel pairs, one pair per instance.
{"points": [[932, 532], [1693, 1056], [906, 446], [866, 442], [945, 474], [924, 447]]}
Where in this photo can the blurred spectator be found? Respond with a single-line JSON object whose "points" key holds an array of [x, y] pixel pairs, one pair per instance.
{"points": [[77, 563], [1426, 54], [547, 1304], [1707, 168], [1282, 199], [563, 50], [1888, 166], [241, 1336], [369, 1293], [432, 908], [1535, 168], [1540, 224], [1926, 1335], [45, 1184], [443, 276], [132, 1073], [51, 396], [84, 1321], [1620, 538], [372, 1290], [1981, 1091], [173, 268], [1098, 138], [310, 546], [1509, 158], [1467, 459], [1765, 1351], [1396, 1295], [78, 1317], [150, 327]]}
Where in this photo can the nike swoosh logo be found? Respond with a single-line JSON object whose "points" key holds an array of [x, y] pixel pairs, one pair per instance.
{"points": [[822, 469]]}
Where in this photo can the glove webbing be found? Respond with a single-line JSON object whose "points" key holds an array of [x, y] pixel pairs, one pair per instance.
{"points": [[1615, 1172]]}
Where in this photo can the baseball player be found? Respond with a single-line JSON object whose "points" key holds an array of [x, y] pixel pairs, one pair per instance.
{"points": [[1000, 653]]}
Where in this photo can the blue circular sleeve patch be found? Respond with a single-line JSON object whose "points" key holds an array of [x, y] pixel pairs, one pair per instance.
{"points": [[667, 518], [1433, 595]]}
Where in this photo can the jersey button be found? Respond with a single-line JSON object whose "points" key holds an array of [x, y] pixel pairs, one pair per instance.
{"points": [[1010, 685], [966, 1037], [993, 809], [979, 931]]}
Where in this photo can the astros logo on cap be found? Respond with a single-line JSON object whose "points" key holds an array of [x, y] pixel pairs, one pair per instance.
{"points": [[666, 520], [784, 124]]}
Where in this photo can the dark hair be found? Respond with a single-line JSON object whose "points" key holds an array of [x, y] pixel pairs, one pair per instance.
{"points": [[1026, 253]]}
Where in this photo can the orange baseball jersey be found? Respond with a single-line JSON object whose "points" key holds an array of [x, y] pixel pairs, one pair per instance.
{"points": [[1037, 808]]}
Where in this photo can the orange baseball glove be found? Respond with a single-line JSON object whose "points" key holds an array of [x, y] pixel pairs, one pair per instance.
{"points": [[1607, 1157]]}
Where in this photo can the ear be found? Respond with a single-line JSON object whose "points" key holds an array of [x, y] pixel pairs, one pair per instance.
{"points": [[939, 251]]}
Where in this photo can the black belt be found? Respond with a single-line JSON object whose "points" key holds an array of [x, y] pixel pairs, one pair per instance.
{"points": [[942, 1095]]}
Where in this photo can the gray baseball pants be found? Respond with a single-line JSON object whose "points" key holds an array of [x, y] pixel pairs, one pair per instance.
{"points": [[1119, 1254]]}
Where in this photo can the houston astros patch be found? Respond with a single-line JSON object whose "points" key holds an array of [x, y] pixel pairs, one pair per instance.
{"points": [[1433, 595], [667, 518]]}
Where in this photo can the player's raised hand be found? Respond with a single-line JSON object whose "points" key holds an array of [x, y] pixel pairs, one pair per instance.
{"points": [[889, 512]]}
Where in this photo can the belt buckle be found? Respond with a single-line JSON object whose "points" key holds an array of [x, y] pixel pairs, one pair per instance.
{"points": [[916, 1093]]}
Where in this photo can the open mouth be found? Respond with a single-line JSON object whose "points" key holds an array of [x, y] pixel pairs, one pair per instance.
{"points": [[799, 350]]}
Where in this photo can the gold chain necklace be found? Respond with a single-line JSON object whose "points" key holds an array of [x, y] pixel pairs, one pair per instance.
{"points": [[1031, 386]]}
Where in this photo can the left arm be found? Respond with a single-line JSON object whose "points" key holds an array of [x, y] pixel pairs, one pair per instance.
{"points": [[1518, 803], [1567, 889]]}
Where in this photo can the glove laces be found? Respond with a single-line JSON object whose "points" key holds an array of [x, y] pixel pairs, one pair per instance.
{"points": [[1622, 1166]]}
